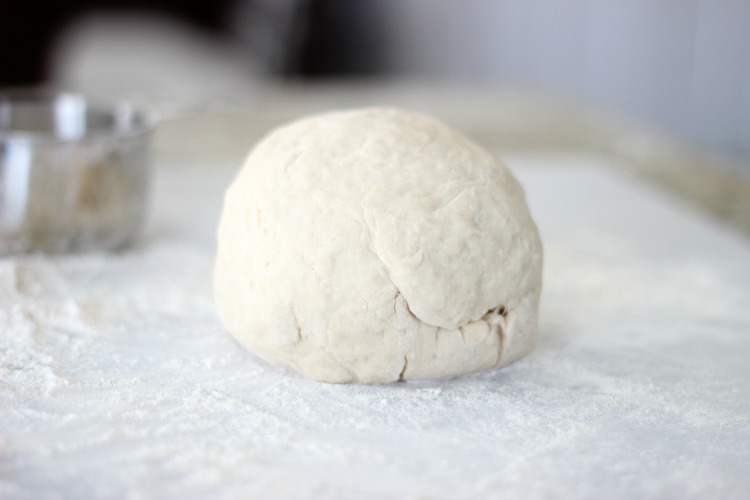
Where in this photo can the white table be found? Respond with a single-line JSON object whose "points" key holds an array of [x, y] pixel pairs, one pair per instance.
{"points": [[118, 380]]}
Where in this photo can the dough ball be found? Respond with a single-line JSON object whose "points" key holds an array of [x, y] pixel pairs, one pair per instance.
{"points": [[377, 245]]}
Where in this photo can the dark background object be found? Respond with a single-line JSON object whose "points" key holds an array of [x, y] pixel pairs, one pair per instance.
{"points": [[340, 38], [326, 37], [28, 28]]}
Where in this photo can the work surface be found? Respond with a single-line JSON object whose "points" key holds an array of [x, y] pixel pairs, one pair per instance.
{"points": [[119, 381]]}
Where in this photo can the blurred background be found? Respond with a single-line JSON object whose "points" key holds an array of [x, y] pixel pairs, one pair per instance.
{"points": [[682, 66]]}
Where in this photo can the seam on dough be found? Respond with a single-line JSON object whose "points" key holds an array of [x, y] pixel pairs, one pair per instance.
{"points": [[403, 370], [497, 318], [501, 335], [453, 198], [500, 309], [500, 343], [291, 161], [373, 238], [398, 290], [408, 309], [296, 324]]}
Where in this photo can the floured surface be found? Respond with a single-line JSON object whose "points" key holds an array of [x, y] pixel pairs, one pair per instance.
{"points": [[117, 379]]}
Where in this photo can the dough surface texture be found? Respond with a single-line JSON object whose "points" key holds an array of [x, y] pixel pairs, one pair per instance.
{"points": [[377, 245]]}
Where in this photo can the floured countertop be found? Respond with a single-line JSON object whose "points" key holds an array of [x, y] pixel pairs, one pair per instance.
{"points": [[118, 381]]}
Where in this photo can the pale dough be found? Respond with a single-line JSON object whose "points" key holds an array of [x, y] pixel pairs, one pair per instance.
{"points": [[376, 245]]}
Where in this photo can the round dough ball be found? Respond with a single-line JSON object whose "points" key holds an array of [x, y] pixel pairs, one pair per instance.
{"points": [[377, 245]]}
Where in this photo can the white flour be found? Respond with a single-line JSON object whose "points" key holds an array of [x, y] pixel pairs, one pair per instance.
{"points": [[118, 381]]}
